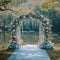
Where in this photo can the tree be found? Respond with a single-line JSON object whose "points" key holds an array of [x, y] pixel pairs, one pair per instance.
{"points": [[53, 9], [3, 4], [8, 4], [50, 4]]}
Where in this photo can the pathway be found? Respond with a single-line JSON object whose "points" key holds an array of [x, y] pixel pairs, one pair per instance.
{"points": [[29, 52]]}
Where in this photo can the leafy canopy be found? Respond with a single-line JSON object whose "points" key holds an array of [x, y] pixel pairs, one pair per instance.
{"points": [[50, 4]]}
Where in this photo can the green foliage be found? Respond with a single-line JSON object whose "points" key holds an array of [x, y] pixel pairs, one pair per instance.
{"points": [[15, 2], [4, 2], [50, 4], [18, 2], [6, 18]]}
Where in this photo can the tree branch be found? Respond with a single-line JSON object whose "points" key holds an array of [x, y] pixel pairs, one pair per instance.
{"points": [[5, 9]]}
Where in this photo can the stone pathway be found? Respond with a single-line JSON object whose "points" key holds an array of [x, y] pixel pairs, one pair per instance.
{"points": [[29, 52]]}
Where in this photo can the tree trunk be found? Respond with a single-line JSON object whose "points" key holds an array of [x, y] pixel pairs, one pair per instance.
{"points": [[4, 31]]}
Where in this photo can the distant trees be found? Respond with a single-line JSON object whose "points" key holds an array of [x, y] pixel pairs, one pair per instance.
{"points": [[31, 25], [6, 20], [50, 7], [55, 20]]}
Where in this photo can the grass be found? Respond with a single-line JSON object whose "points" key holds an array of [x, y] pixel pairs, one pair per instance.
{"points": [[4, 52], [55, 53]]}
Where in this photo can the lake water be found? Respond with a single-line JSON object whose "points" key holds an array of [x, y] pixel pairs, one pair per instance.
{"points": [[30, 37]]}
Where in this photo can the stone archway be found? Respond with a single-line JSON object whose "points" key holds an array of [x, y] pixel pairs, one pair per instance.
{"points": [[43, 29]]}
